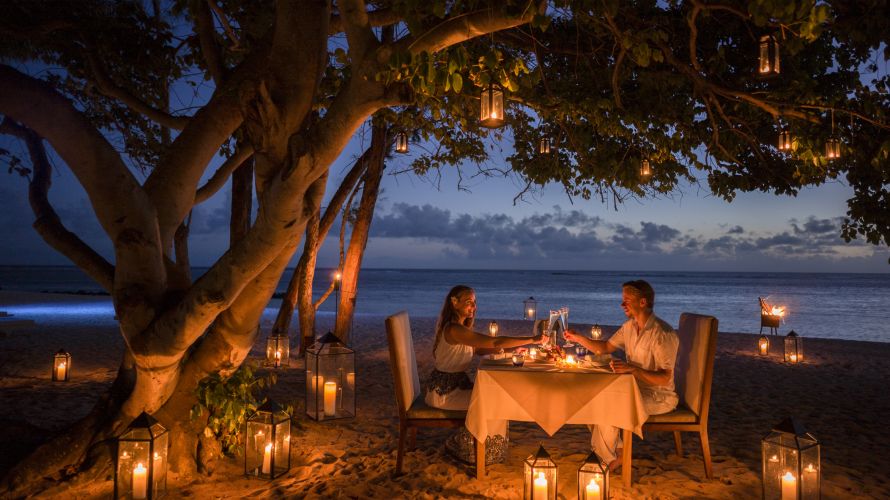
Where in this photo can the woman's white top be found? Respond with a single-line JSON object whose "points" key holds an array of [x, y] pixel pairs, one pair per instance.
{"points": [[452, 358]]}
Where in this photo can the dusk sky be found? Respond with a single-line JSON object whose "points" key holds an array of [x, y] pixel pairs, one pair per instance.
{"points": [[420, 226]]}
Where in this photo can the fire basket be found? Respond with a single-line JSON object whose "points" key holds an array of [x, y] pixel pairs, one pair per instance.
{"points": [[770, 316]]}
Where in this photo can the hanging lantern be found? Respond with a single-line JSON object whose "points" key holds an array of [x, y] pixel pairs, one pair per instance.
{"points": [[793, 348], [540, 476], [544, 145], [401, 142], [141, 460], [530, 309], [791, 468], [832, 148], [645, 169], [763, 345], [278, 350], [596, 332], [769, 56], [267, 442], [330, 372], [785, 140], [593, 479], [492, 108], [61, 366], [493, 328]]}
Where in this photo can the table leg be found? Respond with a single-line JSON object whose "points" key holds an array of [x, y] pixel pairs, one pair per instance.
{"points": [[480, 458], [626, 467]]}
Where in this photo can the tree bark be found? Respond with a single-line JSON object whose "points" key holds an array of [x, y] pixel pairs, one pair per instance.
{"points": [[358, 239]]}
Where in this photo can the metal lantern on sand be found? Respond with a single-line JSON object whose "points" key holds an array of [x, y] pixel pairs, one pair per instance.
{"points": [[141, 460], [267, 442], [330, 375], [540, 476], [791, 463]]}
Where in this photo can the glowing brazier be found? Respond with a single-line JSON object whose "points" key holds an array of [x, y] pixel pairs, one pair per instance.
{"points": [[330, 378], [267, 442], [791, 468], [141, 460]]}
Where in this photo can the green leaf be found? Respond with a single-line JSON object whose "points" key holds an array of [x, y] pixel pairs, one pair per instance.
{"points": [[457, 82]]}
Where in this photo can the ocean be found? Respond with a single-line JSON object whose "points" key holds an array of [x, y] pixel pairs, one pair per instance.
{"points": [[841, 306]]}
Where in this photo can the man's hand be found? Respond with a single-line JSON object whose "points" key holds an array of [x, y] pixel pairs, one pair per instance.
{"points": [[619, 366], [571, 335]]}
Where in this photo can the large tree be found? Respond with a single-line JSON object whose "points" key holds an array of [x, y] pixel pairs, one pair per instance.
{"points": [[282, 87]]}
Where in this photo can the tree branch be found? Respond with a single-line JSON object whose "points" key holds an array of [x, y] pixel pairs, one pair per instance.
{"points": [[47, 222], [107, 87], [219, 178], [358, 28], [379, 17], [209, 46], [464, 27]]}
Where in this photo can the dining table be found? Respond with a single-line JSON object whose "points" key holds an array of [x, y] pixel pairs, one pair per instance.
{"points": [[552, 395]]}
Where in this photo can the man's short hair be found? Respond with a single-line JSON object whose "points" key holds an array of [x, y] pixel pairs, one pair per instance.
{"points": [[642, 289]]}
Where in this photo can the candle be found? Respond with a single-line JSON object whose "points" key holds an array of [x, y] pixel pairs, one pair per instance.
{"points": [[257, 439], [531, 313], [540, 489], [789, 486], [267, 459], [764, 347], [793, 358], [533, 353], [570, 360], [330, 398], [60, 371], [593, 490], [277, 359], [140, 481], [350, 380]]}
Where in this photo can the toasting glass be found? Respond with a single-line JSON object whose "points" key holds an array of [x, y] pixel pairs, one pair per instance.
{"points": [[564, 321]]}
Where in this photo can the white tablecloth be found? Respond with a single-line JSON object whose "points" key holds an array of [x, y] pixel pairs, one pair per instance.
{"points": [[552, 397]]}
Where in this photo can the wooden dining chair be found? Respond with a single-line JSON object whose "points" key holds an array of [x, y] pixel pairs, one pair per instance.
{"points": [[693, 375], [413, 410]]}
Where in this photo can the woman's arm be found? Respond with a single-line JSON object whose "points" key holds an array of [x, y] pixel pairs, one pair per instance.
{"points": [[459, 334]]}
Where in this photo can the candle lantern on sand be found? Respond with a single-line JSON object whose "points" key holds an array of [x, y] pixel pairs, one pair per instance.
{"points": [[141, 461], [61, 366], [791, 469], [530, 309], [593, 479], [278, 350], [493, 328], [763, 345], [540, 476], [596, 332], [267, 442], [330, 375], [793, 348]]}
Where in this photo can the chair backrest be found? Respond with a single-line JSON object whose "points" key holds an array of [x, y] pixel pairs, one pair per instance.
{"points": [[403, 360], [694, 370]]}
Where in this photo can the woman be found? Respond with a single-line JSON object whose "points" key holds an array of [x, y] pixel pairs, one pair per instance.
{"points": [[449, 385]]}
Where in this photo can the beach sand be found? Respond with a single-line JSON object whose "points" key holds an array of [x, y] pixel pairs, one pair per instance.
{"points": [[838, 393]]}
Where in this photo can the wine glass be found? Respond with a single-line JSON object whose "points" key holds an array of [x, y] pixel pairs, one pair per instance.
{"points": [[552, 323], [564, 319]]}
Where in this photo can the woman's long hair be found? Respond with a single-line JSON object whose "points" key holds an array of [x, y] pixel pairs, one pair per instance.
{"points": [[447, 315]]}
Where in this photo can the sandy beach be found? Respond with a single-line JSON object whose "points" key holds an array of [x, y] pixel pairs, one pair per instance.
{"points": [[838, 394]]}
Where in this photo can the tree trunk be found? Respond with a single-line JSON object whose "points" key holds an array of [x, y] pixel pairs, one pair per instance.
{"points": [[358, 240]]}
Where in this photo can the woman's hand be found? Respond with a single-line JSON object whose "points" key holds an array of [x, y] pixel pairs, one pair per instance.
{"points": [[541, 339]]}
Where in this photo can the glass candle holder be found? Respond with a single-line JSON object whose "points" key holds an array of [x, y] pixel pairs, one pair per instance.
{"points": [[518, 359]]}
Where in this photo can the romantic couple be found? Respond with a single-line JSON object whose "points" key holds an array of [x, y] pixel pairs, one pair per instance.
{"points": [[650, 346]]}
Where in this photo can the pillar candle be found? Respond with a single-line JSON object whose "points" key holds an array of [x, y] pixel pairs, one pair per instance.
{"points": [[140, 481], [267, 459], [60, 371], [570, 360], [593, 490], [540, 489], [533, 353], [789, 486], [350, 380], [277, 359], [793, 358], [764, 347], [531, 313], [330, 398]]}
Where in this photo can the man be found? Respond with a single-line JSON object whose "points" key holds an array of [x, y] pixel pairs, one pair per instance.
{"points": [[650, 346]]}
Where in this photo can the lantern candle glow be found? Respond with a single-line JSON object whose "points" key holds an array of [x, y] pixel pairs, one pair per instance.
{"points": [[492, 106], [793, 348], [140, 463], [785, 451], [330, 371], [540, 476], [593, 479], [61, 366], [270, 456], [530, 309]]}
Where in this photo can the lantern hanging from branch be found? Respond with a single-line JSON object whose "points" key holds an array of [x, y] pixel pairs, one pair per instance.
{"points": [[832, 148], [493, 328], [793, 348], [61, 366], [278, 350], [492, 106], [267, 442], [596, 332], [540, 476], [785, 140], [769, 56], [645, 169], [530, 309], [791, 468], [330, 373], [544, 145], [141, 460], [763, 345], [401, 142], [593, 479]]}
